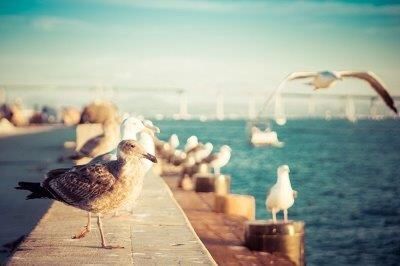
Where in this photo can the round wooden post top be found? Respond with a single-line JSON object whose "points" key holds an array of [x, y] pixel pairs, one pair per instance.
{"points": [[268, 227]]}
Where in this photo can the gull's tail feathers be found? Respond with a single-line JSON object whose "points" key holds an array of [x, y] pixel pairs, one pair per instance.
{"points": [[38, 192]]}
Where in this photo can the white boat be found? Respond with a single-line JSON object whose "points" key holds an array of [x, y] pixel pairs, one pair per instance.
{"points": [[265, 137]]}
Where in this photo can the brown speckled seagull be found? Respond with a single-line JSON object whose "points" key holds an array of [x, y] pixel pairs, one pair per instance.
{"points": [[97, 188]]}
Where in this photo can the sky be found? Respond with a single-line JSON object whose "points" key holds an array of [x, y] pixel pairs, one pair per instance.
{"points": [[201, 46]]}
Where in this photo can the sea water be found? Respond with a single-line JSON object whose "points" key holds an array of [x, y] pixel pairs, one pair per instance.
{"points": [[346, 174]]}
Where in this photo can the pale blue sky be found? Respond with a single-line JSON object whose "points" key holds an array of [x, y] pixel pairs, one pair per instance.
{"points": [[197, 45]]}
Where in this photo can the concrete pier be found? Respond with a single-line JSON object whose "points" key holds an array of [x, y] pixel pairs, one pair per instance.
{"points": [[157, 234], [222, 234]]}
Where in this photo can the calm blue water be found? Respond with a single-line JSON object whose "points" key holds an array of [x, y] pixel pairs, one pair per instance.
{"points": [[347, 176]]}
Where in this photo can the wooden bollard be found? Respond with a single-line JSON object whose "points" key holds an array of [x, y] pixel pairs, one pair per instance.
{"points": [[222, 184], [284, 238], [204, 182], [84, 132], [207, 182], [234, 204], [187, 183]]}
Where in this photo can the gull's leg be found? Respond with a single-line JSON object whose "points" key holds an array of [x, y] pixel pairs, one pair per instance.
{"points": [[85, 230], [274, 215], [285, 215], [103, 240]]}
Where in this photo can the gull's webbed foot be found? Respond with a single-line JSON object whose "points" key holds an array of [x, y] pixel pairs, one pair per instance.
{"points": [[82, 233]]}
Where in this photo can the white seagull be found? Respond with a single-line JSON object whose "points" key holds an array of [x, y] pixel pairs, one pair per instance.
{"points": [[146, 139], [221, 159], [173, 141], [203, 152], [281, 196], [130, 129], [191, 142], [327, 79]]}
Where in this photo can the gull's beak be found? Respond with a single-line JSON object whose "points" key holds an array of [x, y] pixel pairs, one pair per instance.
{"points": [[150, 157]]}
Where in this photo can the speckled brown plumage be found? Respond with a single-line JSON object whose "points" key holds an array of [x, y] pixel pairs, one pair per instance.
{"points": [[98, 188]]}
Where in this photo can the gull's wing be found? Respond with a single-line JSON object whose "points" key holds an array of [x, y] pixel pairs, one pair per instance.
{"points": [[90, 145], [301, 75], [291, 76], [82, 184], [271, 200], [57, 172], [375, 83]]}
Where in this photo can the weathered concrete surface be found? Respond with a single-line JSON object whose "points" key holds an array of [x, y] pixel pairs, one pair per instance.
{"points": [[25, 157], [157, 234]]}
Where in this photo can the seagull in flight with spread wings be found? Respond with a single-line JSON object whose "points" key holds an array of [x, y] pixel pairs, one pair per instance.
{"points": [[327, 79]]}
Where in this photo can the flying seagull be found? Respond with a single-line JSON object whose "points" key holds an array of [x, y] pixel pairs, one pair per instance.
{"points": [[281, 196], [327, 79], [97, 188]]}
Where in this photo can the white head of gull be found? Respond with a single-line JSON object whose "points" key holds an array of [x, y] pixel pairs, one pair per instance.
{"points": [[281, 195], [130, 128]]}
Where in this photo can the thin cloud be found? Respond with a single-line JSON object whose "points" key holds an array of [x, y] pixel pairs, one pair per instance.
{"points": [[51, 23], [278, 7], [45, 23]]}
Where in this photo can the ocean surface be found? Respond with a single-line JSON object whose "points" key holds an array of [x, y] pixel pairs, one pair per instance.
{"points": [[347, 177]]}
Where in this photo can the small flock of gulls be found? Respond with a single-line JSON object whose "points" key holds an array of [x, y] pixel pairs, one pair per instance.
{"points": [[194, 153], [121, 156], [111, 180], [118, 160]]}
